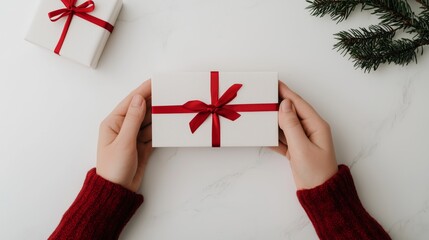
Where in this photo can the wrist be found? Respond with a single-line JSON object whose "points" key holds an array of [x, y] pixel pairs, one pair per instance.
{"points": [[311, 179]]}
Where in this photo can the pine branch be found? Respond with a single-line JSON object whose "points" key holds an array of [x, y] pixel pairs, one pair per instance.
{"points": [[339, 10], [357, 38], [395, 12], [372, 46], [422, 24], [424, 3], [401, 52], [423, 18]]}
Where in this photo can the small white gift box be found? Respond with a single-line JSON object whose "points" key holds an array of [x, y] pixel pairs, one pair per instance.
{"points": [[75, 29], [215, 109]]}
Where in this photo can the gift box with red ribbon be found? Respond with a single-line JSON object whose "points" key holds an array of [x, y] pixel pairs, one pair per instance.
{"points": [[75, 29], [215, 109]]}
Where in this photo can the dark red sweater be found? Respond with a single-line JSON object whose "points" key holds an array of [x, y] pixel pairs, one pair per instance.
{"points": [[336, 212], [102, 209]]}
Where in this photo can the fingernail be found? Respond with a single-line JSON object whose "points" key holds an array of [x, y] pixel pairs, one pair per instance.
{"points": [[286, 106], [137, 101]]}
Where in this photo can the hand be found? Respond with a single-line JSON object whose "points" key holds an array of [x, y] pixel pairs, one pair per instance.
{"points": [[305, 140], [125, 140]]}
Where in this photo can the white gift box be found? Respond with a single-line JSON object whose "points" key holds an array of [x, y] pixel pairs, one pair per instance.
{"points": [[256, 102], [84, 41]]}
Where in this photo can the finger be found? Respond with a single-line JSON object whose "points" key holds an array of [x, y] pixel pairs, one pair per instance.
{"points": [[282, 137], [291, 126], [133, 120], [148, 118], [109, 129], [145, 150], [281, 149], [315, 127], [303, 109], [144, 90], [145, 135]]}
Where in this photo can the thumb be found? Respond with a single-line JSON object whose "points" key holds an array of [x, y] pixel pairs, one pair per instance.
{"points": [[291, 125], [133, 119]]}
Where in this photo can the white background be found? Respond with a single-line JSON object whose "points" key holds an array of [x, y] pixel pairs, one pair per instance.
{"points": [[51, 107]]}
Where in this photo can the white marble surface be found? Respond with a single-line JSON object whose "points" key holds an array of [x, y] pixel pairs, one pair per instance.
{"points": [[51, 107]]}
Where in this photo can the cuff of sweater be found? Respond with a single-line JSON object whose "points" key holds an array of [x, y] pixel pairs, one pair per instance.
{"points": [[102, 208], [334, 207]]}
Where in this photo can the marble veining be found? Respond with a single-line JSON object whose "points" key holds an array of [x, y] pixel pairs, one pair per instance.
{"points": [[380, 129], [415, 224]]}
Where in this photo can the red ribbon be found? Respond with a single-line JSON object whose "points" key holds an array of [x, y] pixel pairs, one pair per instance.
{"points": [[81, 11], [218, 107]]}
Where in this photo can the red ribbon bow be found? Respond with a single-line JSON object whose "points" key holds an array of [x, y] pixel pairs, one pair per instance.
{"points": [[218, 107], [81, 11], [215, 109]]}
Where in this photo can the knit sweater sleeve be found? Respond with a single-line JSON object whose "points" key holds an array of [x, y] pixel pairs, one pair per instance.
{"points": [[100, 210], [336, 212]]}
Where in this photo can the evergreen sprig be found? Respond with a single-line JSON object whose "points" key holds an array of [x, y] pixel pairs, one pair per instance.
{"points": [[375, 45]]}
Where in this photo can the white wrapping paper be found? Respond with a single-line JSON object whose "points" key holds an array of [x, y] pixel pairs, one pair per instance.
{"points": [[251, 129], [85, 41]]}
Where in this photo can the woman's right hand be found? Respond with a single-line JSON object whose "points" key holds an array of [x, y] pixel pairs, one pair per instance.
{"points": [[305, 140]]}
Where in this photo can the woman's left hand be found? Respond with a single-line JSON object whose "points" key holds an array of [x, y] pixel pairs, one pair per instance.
{"points": [[125, 140]]}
